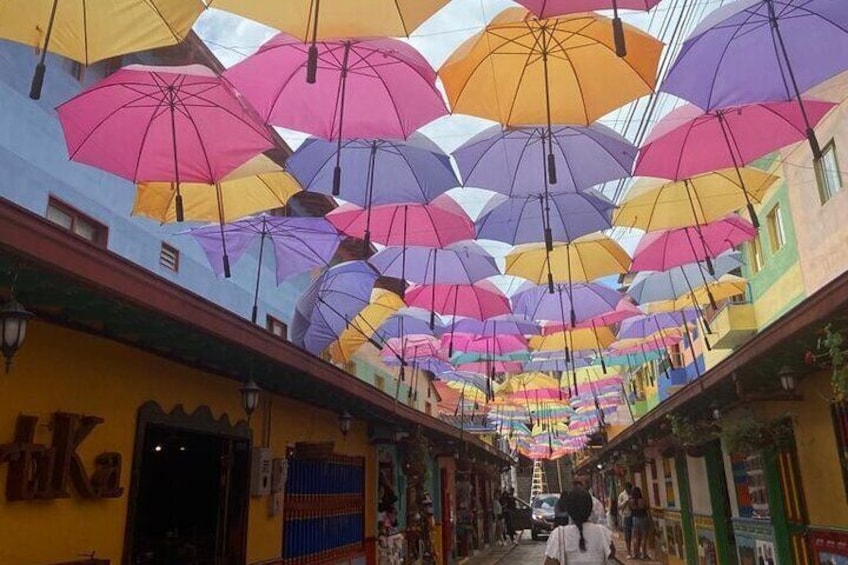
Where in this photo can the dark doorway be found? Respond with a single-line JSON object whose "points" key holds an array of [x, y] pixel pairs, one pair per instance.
{"points": [[189, 497]]}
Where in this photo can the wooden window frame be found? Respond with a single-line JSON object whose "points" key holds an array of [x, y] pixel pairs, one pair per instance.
{"points": [[101, 230], [271, 321], [776, 229], [825, 192], [165, 247]]}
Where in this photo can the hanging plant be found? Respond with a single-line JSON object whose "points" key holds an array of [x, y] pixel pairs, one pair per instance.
{"points": [[750, 435], [833, 343], [691, 434]]}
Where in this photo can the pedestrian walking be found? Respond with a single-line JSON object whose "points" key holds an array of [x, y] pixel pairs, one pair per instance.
{"points": [[626, 513], [581, 542], [497, 509], [509, 509], [639, 508]]}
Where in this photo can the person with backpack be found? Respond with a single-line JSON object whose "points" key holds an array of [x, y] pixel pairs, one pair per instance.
{"points": [[581, 542]]}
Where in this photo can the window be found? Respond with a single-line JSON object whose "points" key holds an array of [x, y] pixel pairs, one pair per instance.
{"points": [[380, 382], [828, 174], [428, 408], [755, 250], [169, 257], [668, 480], [76, 222], [675, 354], [776, 233], [277, 327], [76, 69], [840, 424]]}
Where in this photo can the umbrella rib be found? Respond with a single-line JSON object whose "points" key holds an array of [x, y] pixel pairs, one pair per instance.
{"points": [[152, 5]]}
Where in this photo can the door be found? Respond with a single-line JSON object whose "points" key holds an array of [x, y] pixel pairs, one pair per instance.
{"points": [[447, 522]]}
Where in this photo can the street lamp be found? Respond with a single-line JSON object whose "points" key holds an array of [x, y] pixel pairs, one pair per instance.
{"points": [[787, 378], [13, 327], [250, 397], [345, 420]]}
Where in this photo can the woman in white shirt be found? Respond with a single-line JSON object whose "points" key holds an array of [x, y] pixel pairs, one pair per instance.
{"points": [[581, 542]]}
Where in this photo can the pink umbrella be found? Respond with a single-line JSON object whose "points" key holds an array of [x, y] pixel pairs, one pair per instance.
{"points": [[480, 301], [623, 310], [689, 141], [168, 124], [374, 88], [437, 224], [412, 347], [553, 8], [486, 368], [664, 250], [494, 345]]}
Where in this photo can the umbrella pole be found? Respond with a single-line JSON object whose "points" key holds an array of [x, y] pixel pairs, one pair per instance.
{"points": [[811, 133], [337, 171], [573, 367], [41, 68], [698, 228], [618, 31], [453, 325], [749, 205], [694, 299], [433, 293], [692, 343], [178, 200], [600, 349], [562, 315], [258, 275], [545, 203], [707, 251], [662, 337], [552, 172], [372, 162], [312, 59], [570, 289], [226, 258], [661, 345]]}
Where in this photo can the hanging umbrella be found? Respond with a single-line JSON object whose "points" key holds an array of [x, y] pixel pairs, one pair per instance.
{"points": [[726, 287], [437, 224], [679, 281], [91, 32], [299, 244], [585, 339], [509, 71], [409, 321], [363, 327], [586, 259], [584, 301], [171, 124], [378, 171], [762, 50], [326, 308], [553, 8], [652, 204], [512, 161], [372, 88], [560, 217], [310, 20], [480, 301], [508, 367], [497, 345], [663, 250], [649, 324], [504, 324], [689, 141]]}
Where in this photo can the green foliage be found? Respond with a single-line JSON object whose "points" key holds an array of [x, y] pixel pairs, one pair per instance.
{"points": [[833, 343], [683, 430], [750, 435]]}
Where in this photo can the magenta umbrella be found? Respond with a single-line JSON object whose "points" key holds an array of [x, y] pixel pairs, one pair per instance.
{"points": [[664, 250], [370, 88], [689, 141], [437, 224], [163, 124], [481, 301], [553, 8]]}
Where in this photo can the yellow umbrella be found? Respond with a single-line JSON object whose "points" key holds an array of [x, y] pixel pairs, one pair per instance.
{"points": [[584, 259], [256, 186], [312, 20], [88, 32], [521, 70], [527, 382], [727, 286], [575, 340], [361, 329], [653, 204]]}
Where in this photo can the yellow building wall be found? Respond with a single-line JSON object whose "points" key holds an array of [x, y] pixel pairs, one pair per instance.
{"points": [[821, 229], [62, 370], [821, 476]]}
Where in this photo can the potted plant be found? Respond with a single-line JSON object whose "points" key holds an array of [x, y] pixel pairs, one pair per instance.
{"points": [[691, 435], [750, 435]]}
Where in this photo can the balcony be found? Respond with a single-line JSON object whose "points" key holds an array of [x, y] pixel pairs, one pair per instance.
{"points": [[733, 325]]}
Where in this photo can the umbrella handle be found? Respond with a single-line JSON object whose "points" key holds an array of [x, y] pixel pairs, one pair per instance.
{"points": [[550, 283], [178, 204], [814, 143], [40, 68], [312, 64], [618, 36], [337, 180], [549, 239], [552, 170], [753, 213]]}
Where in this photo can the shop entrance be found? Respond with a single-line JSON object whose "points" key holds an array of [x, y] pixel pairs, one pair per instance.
{"points": [[189, 497]]}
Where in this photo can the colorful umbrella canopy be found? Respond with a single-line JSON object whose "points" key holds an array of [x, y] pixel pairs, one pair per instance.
{"points": [[91, 32], [371, 88], [408, 321], [491, 345], [430, 225], [679, 281], [576, 340], [583, 300], [663, 250], [172, 124], [586, 259], [726, 287], [652, 204], [376, 171], [299, 244], [363, 327], [512, 161], [504, 324], [508, 71], [326, 308], [489, 367], [480, 301], [689, 141], [647, 325], [458, 264], [560, 217], [761, 50]]}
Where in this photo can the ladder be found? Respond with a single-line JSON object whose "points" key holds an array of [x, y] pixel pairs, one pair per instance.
{"points": [[538, 485]]}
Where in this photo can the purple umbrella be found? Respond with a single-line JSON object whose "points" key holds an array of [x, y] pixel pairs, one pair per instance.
{"points": [[376, 171], [408, 321], [584, 301], [512, 161], [508, 324], [643, 326], [573, 214], [300, 244], [330, 303], [762, 50]]}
